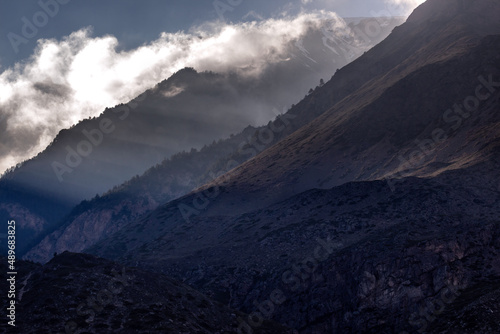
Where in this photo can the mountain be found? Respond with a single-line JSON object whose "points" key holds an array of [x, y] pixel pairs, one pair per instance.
{"points": [[92, 221], [81, 293], [189, 110], [100, 217], [355, 257], [401, 108], [380, 215]]}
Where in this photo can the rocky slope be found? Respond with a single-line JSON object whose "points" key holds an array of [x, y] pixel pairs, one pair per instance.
{"points": [[408, 116], [420, 136], [356, 257], [77, 293]]}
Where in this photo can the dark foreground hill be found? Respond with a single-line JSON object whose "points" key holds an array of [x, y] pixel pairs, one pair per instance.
{"points": [[77, 293]]}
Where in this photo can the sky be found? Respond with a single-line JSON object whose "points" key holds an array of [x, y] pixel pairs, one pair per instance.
{"points": [[65, 60]]}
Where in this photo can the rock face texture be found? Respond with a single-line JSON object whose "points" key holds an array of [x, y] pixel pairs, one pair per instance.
{"points": [[356, 257], [77, 293]]}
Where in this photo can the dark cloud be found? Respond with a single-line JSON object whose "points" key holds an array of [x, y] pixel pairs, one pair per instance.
{"points": [[52, 89]]}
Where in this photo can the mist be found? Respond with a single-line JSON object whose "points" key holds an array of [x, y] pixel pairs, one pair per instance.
{"points": [[68, 80], [401, 7]]}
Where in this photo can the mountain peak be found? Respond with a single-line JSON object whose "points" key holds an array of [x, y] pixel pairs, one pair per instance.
{"points": [[433, 10], [185, 74]]}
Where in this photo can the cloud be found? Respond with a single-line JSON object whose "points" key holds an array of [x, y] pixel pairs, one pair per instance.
{"points": [[413, 3], [401, 7], [77, 77]]}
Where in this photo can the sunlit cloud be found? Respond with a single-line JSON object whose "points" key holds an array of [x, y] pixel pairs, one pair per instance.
{"points": [[77, 77], [402, 7]]}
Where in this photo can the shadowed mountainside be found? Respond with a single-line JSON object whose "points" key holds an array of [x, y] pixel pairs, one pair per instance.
{"points": [[99, 218], [377, 215], [186, 111], [81, 293], [421, 138], [355, 257]]}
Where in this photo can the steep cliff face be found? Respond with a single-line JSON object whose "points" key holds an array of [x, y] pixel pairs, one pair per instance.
{"points": [[89, 227]]}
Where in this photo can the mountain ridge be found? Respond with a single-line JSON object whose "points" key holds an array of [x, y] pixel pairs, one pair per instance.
{"points": [[393, 248], [98, 154], [298, 115]]}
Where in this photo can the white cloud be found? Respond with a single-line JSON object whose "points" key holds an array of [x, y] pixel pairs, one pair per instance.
{"points": [[413, 3], [79, 76], [401, 7]]}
